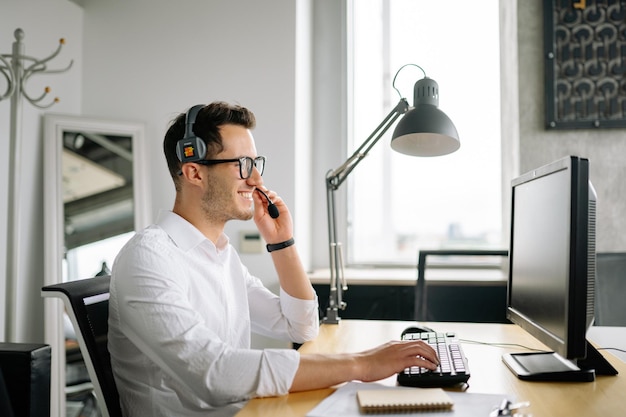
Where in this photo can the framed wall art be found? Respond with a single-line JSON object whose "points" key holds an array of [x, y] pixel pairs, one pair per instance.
{"points": [[585, 64]]}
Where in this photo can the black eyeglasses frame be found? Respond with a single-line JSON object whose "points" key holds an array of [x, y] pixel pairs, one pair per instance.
{"points": [[248, 160]]}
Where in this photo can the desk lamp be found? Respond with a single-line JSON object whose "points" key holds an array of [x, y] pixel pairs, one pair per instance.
{"points": [[423, 131]]}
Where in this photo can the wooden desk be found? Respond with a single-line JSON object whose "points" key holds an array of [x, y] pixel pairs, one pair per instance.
{"points": [[604, 397]]}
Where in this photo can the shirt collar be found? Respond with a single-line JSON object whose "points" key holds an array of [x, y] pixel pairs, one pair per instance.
{"points": [[185, 235]]}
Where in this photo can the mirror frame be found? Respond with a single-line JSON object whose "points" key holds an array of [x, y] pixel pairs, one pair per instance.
{"points": [[54, 126]]}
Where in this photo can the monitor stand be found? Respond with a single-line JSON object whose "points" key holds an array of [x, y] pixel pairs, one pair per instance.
{"points": [[550, 366]]}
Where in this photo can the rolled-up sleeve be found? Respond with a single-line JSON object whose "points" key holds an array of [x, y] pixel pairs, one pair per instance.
{"points": [[277, 370], [303, 316], [282, 316]]}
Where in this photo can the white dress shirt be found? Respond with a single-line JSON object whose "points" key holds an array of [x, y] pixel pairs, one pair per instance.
{"points": [[180, 316]]}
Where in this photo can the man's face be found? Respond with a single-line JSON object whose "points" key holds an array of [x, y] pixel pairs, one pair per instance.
{"points": [[228, 197]]}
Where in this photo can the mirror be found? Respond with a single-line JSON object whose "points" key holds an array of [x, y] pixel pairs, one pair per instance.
{"points": [[94, 200]]}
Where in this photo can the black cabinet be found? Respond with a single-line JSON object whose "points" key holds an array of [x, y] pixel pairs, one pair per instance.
{"points": [[471, 302]]}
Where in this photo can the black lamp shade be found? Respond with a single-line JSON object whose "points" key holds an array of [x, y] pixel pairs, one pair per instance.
{"points": [[425, 130]]}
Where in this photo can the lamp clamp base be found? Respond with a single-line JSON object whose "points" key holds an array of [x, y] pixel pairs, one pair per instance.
{"points": [[332, 316]]}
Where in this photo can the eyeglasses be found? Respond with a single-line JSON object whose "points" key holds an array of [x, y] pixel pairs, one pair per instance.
{"points": [[246, 164]]}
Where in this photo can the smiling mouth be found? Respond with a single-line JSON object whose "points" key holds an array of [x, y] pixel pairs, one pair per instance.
{"points": [[246, 194]]}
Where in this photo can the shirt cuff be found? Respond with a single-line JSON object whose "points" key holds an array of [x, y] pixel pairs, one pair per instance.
{"points": [[277, 371]]}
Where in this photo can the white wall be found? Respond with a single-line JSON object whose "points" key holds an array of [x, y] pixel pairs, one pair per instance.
{"points": [[329, 120], [44, 22]]}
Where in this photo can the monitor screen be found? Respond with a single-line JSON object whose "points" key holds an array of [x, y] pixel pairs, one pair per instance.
{"points": [[552, 268]]}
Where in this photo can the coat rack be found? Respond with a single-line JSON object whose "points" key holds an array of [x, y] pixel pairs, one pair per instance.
{"points": [[17, 68]]}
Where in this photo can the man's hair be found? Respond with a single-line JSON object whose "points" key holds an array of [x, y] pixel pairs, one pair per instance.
{"points": [[208, 122]]}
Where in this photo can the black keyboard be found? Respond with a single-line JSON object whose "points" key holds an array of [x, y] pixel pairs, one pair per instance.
{"points": [[453, 367]]}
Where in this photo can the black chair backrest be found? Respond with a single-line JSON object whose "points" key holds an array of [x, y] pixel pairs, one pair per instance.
{"points": [[610, 289], [87, 303], [422, 312]]}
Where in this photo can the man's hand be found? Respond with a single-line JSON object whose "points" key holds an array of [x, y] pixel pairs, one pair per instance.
{"points": [[273, 230], [393, 357]]}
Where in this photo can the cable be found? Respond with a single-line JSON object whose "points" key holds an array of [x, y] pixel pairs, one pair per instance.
{"points": [[612, 348], [496, 344]]}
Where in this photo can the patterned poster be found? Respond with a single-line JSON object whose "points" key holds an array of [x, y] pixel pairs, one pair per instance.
{"points": [[585, 63]]}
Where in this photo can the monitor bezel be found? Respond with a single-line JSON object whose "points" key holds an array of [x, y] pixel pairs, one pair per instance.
{"points": [[573, 345]]}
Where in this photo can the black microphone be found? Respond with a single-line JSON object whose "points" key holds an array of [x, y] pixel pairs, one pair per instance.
{"points": [[271, 207]]}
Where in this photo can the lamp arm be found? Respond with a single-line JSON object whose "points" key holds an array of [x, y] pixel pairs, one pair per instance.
{"points": [[334, 179]]}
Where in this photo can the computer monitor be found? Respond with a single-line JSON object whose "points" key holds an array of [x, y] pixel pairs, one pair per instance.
{"points": [[552, 271]]}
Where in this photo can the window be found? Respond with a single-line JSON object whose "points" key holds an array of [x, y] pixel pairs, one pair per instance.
{"points": [[400, 204]]}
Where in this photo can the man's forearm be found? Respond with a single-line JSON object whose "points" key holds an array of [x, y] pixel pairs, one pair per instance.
{"points": [[322, 371], [291, 273]]}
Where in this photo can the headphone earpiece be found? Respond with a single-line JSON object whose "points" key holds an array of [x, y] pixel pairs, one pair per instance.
{"points": [[191, 148]]}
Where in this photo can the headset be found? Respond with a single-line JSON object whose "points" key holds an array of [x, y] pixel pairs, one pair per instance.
{"points": [[191, 148]]}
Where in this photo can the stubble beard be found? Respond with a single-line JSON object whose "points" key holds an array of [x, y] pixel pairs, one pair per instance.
{"points": [[218, 205]]}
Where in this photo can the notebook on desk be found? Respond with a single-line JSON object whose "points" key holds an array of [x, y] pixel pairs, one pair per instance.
{"points": [[343, 402], [377, 401]]}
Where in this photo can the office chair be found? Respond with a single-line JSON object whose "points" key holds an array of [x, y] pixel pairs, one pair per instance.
{"points": [[87, 303], [496, 313], [610, 289]]}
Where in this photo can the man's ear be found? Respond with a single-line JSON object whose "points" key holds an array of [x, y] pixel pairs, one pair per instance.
{"points": [[191, 173]]}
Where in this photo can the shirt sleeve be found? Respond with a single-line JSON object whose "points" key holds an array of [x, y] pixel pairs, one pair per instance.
{"points": [[282, 316]]}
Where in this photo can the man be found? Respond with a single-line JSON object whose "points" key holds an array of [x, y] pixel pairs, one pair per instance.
{"points": [[183, 306]]}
